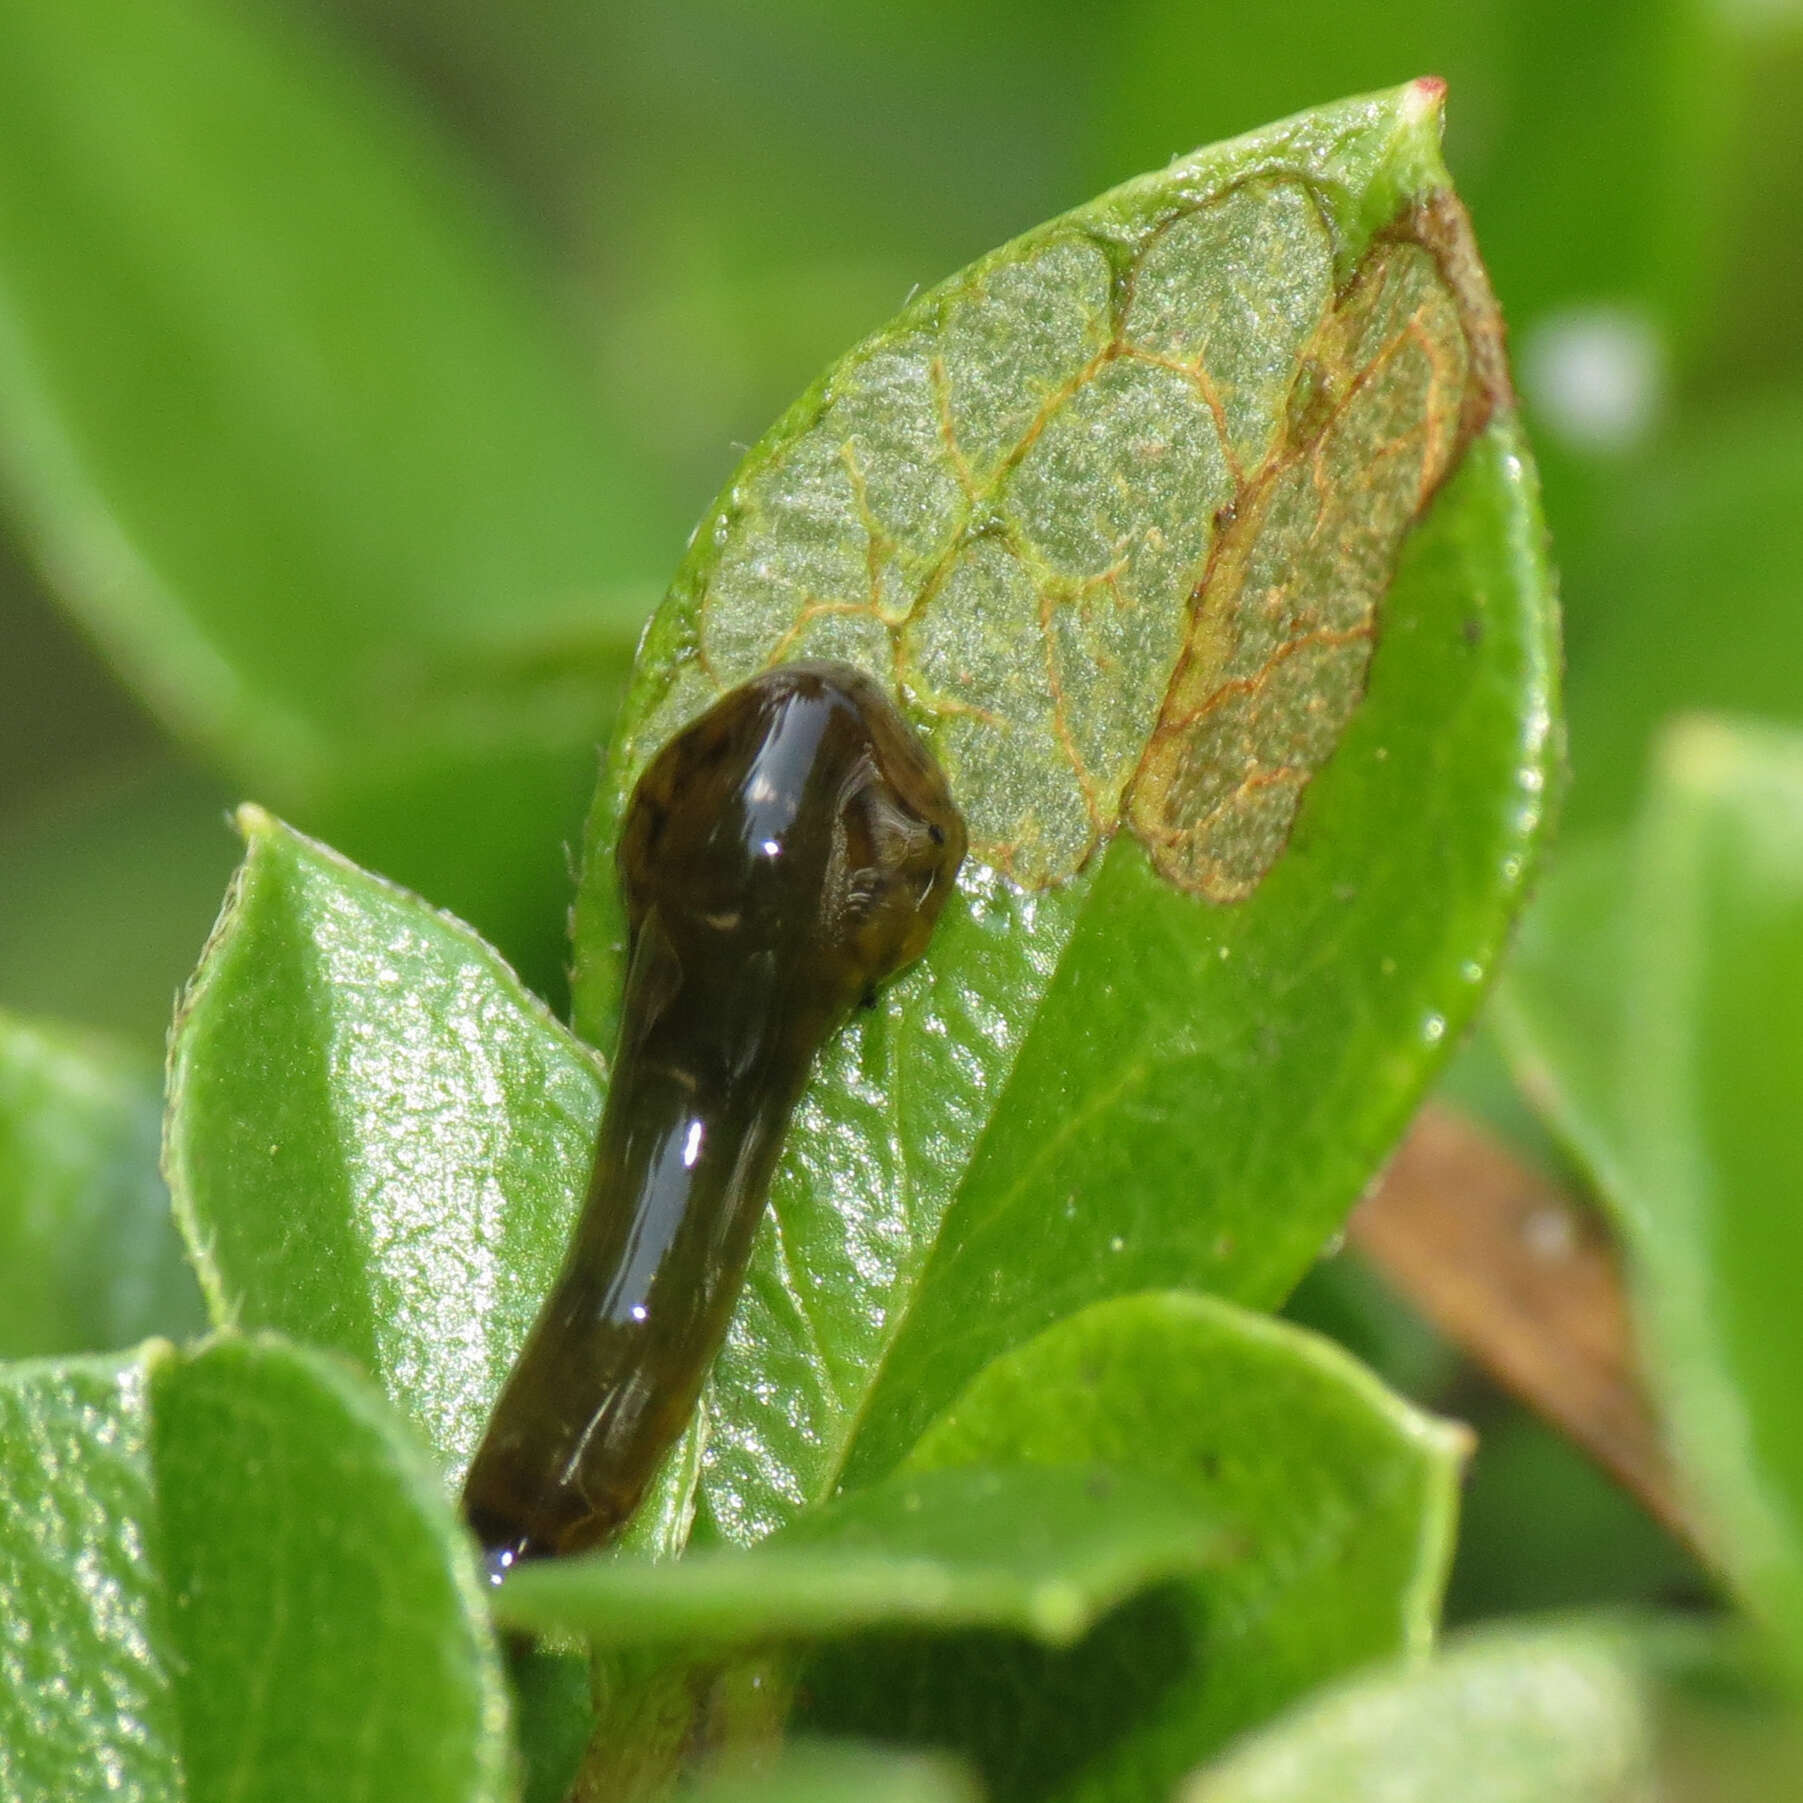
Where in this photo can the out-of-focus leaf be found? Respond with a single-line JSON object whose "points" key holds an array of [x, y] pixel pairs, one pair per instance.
{"points": [[290, 430], [745, 192], [1587, 140], [89, 1257], [109, 890], [1480, 1082], [62, 715], [1557, 1010], [1038, 1551], [1696, 586], [1742, 337], [1335, 1496], [1542, 1528], [1040, 504], [377, 1140], [1345, 1299], [553, 1717], [1711, 1098], [1573, 1713], [843, 1772], [229, 1575]]}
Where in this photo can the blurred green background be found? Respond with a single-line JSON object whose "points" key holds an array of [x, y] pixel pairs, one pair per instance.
{"points": [[363, 365]]}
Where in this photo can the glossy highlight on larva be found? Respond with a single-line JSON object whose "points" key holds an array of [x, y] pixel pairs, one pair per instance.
{"points": [[782, 856]]}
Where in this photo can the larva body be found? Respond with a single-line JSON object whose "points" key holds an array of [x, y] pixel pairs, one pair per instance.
{"points": [[782, 856]]}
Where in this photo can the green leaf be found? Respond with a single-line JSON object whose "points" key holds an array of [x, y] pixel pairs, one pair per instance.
{"points": [[1712, 522], [1335, 1497], [377, 1140], [227, 1574], [1712, 1091], [1100, 1079], [1558, 116], [1345, 1299], [553, 1718], [89, 1258], [1744, 344], [1542, 1527], [1040, 1551], [843, 1772], [1573, 1713], [291, 431], [1715, 517], [108, 896], [1557, 1010]]}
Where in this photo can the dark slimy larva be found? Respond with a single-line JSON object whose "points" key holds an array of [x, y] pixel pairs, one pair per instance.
{"points": [[780, 858]]}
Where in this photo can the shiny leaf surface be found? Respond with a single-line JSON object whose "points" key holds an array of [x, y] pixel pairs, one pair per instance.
{"points": [[228, 1575], [377, 1140], [1336, 1500], [1041, 1551], [414, 1202]]}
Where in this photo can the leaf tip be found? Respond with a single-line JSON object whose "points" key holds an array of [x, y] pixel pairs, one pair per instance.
{"points": [[1453, 1440], [252, 821], [1424, 99]]}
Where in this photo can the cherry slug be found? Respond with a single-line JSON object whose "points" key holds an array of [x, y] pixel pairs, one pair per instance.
{"points": [[780, 857]]}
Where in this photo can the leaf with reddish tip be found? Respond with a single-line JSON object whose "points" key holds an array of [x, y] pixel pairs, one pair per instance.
{"points": [[1195, 531]]}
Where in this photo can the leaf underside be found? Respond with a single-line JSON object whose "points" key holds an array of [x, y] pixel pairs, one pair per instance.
{"points": [[1195, 533], [1114, 509]]}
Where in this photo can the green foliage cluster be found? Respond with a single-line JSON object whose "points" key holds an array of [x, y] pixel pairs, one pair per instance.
{"points": [[1009, 1481]]}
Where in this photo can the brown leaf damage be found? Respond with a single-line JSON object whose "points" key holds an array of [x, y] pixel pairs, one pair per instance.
{"points": [[1402, 369], [1114, 513]]}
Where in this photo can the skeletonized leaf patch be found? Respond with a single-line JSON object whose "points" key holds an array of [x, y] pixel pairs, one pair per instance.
{"points": [[1115, 509]]}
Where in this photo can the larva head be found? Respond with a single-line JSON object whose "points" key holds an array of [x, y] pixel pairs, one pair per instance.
{"points": [[799, 817]]}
